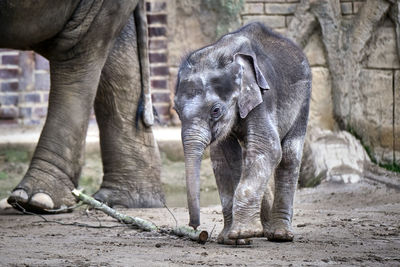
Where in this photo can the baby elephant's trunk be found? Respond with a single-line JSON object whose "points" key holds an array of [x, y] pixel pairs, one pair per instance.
{"points": [[194, 145]]}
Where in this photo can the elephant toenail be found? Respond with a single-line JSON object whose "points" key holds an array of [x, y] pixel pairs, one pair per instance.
{"points": [[42, 200], [233, 235], [230, 242], [279, 233], [19, 195], [4, 204], [243, 242]]}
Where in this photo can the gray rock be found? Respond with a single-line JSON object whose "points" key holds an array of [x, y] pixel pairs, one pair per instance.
{"points": [[332, 157]]}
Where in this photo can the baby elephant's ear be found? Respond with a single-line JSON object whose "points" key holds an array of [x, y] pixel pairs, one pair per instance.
{"points": [[252, 81]]}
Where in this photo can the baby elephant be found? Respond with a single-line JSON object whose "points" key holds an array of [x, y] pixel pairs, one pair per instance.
{"points": [[247, 95]]}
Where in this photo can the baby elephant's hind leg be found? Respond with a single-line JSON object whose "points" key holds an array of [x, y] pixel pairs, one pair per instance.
{"points": [[266, 204], [278, 227]]}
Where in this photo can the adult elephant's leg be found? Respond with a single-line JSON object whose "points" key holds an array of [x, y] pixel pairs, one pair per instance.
{"points": [[57, 161], [77, 56], [130, 155]]}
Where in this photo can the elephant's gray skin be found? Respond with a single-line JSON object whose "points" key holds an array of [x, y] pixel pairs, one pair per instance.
{"points": [[248, 96], [97, 51]]}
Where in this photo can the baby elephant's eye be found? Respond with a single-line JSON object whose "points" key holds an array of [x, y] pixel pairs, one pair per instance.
{"points": [[216, 111]]}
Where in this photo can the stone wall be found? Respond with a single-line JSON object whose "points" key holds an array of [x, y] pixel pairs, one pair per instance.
{"points": [[274, 13], [378, 120], [376, 112], [277, 15], [193, 24], [377, 109]]}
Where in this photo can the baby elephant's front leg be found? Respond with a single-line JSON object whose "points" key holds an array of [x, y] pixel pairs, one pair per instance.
{"points": [[260, 159]]}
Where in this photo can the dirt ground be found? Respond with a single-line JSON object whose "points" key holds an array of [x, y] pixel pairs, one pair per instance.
{"points": [[334, 224]]}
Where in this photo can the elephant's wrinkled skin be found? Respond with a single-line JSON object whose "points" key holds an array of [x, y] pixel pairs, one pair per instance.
{"points": [[248, 96], [97, 51]]}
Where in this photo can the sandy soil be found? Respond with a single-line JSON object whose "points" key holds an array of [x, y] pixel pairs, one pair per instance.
{"points": [[334, 224]]}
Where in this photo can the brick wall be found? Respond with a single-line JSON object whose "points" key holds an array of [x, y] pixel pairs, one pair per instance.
{"points": [[24, 87], [25, 80], [158, 55]]}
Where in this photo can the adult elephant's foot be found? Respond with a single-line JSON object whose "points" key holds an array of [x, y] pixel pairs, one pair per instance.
{"points": [[4, 204], [246, 230], [41, 192], [114, 196], [279, 230]]}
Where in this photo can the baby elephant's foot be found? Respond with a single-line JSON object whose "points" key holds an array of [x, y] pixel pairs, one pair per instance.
{"points": [[248, 230], [279, 231], [224, 239]]}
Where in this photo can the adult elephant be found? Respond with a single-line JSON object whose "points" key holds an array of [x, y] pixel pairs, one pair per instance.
{"points": [[97, 51]]}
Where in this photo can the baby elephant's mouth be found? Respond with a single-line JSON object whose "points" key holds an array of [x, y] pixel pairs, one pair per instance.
{"points": [[217, 133]]}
